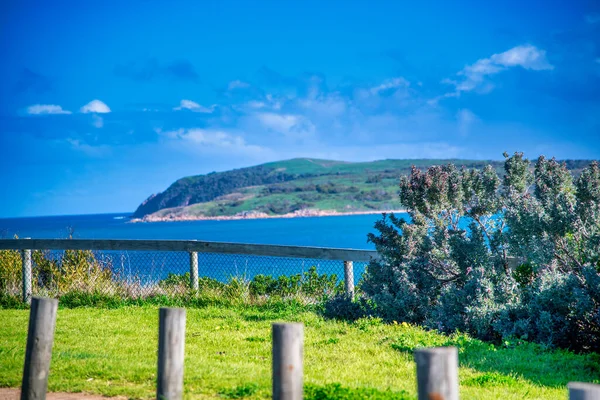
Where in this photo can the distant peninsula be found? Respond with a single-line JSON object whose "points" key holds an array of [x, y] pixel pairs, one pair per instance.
{"points": [[301, 187]]}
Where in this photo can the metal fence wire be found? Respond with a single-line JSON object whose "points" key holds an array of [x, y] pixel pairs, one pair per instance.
{"points": [[142, 273]]}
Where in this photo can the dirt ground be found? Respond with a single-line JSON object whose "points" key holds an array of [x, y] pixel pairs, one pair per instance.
{"points": [[13, 394]]}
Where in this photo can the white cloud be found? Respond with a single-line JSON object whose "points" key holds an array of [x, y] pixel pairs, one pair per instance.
{"points": [[526, 56], [212, 139], [278, 122], [95, 106], [474, 77], [195, 107], [393, 83], [38, 109], [237, 84]]}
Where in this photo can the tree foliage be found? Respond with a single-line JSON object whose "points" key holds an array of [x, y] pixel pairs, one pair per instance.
{"points": [[517, 256]]}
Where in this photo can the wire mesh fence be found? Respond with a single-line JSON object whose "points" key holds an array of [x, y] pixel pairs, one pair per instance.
{"points": [[143, 273]]}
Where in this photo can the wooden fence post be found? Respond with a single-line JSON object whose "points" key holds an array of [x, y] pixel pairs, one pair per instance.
{"points": [[349, 278], [40, 337], [194, 270], [583, 391], [437, 373], [171, 340], [27, 275], [288, 348]]}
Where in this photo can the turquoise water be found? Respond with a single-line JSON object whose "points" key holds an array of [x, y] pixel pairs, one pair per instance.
{"points": [[341, 231]]}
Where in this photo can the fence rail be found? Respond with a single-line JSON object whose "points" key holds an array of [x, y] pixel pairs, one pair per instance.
{"points": [[322, 253]]}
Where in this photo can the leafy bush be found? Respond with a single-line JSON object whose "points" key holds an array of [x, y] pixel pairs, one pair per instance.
{"points": [[342, 306], [10, 271], [182, 281], [73, 270], [452, 267], [55, 273], [308, 284]]}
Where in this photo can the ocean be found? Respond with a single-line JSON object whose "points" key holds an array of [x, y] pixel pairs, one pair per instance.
{"points": [[348, 231]]}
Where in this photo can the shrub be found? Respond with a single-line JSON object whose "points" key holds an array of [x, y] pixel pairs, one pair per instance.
{"points": [[451, 267], [55, 273], [309, 284], [73, 270], [10, 271]]}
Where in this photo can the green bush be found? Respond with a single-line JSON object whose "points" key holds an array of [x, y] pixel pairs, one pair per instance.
{"points": [[449, 268], [10, 271], [308, 284], [73, 270], [70, 270]]}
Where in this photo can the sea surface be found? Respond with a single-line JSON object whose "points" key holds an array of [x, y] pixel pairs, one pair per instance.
{"points": [[348, 231]]}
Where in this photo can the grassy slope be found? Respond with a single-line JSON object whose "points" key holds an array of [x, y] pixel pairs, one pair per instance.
{"points": [[338, 172], [113, 352]]}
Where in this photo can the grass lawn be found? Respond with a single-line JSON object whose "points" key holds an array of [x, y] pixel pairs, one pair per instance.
{"points": [[113, 352]]}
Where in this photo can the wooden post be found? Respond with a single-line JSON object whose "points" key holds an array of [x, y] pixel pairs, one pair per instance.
{"points": [[27, 275], [40, 336], [171, 340], [583, 391], [288, 344], [437, 373], [194, 270], [349, 278]]}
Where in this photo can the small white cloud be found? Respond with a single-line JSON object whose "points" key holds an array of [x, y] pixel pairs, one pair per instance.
{"points": [[95, 106], [393, 83], [195, 107], [474, 77], [526, 56], [237, 84], [38, 109], [278, 122], [211, 139]]}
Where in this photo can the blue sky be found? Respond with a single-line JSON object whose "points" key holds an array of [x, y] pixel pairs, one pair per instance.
{"points": [[104, 103]]}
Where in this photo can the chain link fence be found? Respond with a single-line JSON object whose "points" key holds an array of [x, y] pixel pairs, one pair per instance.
{"points": [[144, 273]]}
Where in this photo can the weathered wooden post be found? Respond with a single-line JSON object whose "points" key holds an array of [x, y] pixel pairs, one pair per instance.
{"points": [[288, 348], [27, 275], [437, 373], [194, 270], [583, 391], [349, 278], [171, 340], [40, 337]]}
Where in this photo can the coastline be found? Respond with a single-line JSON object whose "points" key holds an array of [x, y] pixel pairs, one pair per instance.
{"points": [[257, 215]]}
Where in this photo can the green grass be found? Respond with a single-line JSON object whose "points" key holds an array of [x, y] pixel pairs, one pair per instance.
{"points": [[113, 352]]}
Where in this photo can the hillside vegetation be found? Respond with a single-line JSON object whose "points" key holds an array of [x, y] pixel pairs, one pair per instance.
{"points": [[294, 186]]}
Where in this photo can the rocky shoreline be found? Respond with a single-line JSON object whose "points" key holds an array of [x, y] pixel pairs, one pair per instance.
{"points": [[174, 217]]}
